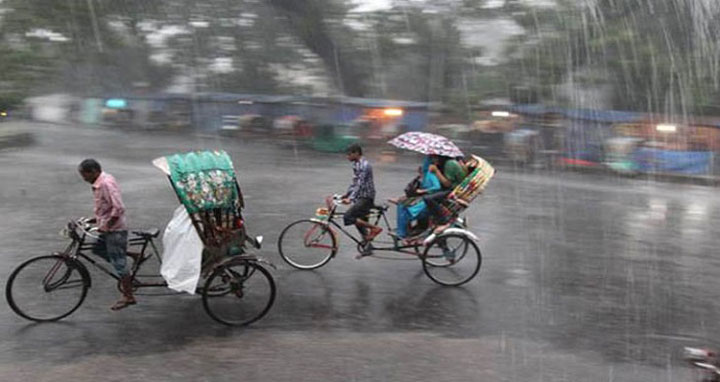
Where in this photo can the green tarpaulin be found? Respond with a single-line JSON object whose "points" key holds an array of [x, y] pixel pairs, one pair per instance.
{"points": [[204, 180]]}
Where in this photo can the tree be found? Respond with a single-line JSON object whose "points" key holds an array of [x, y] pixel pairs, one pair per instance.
{"points": [[82, 45], [309, 20], [657, 56]]}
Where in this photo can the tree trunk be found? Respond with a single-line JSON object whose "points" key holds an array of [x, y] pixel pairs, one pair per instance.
{"points": [[307, 19]]}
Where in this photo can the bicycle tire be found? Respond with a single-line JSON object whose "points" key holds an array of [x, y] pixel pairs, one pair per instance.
{"points": [[223, 269], [69, 268], [434, 272], [324, 259]]}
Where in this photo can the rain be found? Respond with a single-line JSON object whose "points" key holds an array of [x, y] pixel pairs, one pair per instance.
{"points": [[544, 172]]}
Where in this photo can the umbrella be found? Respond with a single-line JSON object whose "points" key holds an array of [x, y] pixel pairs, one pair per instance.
{"points": [[426, 143]]}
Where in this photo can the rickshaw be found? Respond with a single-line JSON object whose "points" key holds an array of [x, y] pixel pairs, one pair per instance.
{"points": [[332, 138], [449, 256], [237, 288]]}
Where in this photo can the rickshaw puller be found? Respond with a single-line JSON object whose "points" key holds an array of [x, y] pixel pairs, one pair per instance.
{"points": [[361, 194], [110, 218]]}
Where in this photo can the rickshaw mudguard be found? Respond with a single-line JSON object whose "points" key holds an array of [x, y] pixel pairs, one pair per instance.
{"points": [[458, 231]]}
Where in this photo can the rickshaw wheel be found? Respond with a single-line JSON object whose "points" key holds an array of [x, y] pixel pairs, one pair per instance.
{"points": [[452, 259], [47, 288], [238, 292], [307, 244]]}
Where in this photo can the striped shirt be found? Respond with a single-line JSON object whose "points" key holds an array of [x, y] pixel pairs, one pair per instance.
{"points": [[363, 186]]}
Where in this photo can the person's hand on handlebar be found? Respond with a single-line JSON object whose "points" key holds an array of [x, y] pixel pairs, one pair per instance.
{"points": [[344, 199], [85, 220]]}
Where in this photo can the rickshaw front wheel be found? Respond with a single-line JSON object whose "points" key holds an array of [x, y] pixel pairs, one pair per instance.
{"points": [[307, 244], [47, 288]]}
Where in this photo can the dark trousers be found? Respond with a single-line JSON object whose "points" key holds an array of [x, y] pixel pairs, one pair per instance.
{"points": [[112, 246], [359, 210], [433, 203]]}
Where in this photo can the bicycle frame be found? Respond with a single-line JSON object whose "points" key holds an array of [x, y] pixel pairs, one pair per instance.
{"points": [[67, 270], [79, 245], [378, 215]]}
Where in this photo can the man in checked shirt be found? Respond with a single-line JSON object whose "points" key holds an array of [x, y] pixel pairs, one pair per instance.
{"points": [[361, 194], [110, 220]]}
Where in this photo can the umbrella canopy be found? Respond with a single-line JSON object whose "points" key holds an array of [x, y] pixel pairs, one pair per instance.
{"points": [[426, 143]]}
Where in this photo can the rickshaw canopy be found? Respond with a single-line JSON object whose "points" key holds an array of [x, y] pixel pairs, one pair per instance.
{"points": [[475, 182], [203, 180]]}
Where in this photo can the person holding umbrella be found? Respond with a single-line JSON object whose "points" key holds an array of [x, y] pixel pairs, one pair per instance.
{"points": [[450, 173], [412, 206], [447, 170]]}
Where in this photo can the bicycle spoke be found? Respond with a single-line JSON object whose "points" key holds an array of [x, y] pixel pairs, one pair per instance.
{"points": [[70, 285], [249, 293], [452, 260], [307, 244]]}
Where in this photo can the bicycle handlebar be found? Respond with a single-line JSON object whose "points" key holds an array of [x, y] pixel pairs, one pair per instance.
{"points": [[85, 226]]}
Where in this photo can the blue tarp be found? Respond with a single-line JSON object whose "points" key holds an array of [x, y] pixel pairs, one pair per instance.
{"points": [[586, 129], [607, 116], [666, 161]]}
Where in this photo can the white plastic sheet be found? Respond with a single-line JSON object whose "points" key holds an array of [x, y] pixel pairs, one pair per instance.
{"points": [[182, 253]]}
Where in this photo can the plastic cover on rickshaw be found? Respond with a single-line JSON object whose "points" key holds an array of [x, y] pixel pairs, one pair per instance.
{"points": [[205, 183]]}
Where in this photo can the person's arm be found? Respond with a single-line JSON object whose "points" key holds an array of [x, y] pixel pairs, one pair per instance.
{"points": [[118, 208], [362, 179], [350, 192], [345, 198], [433, 184], [443, 180]]}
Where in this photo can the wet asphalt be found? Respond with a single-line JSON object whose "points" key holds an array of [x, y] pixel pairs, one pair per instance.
{"points": [[584, 277]]}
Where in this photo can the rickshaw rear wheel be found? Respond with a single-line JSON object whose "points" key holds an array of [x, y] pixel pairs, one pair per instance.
{"points": [[452, 259], [248, 293]]}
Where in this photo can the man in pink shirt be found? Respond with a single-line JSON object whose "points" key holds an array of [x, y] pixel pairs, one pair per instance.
{"points": [[110, 220]]}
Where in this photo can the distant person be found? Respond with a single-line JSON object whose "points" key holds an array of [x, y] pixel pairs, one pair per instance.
{"points": [[361, 194], [110, 219]]}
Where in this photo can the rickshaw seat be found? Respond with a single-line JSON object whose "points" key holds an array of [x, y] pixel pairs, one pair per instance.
{"points": [[147, 233]]}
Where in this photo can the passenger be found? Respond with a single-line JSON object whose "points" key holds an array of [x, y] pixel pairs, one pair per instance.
{"points": [[413, 207], [452, 174]]}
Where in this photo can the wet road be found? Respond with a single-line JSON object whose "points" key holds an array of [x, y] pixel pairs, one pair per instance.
{"points": [[584, 278]]}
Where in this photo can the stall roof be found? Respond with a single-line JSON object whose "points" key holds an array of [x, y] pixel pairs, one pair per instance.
{"points": [[146, 96], [264, 98], [260, 98], [611, 116], [378, 103]]}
